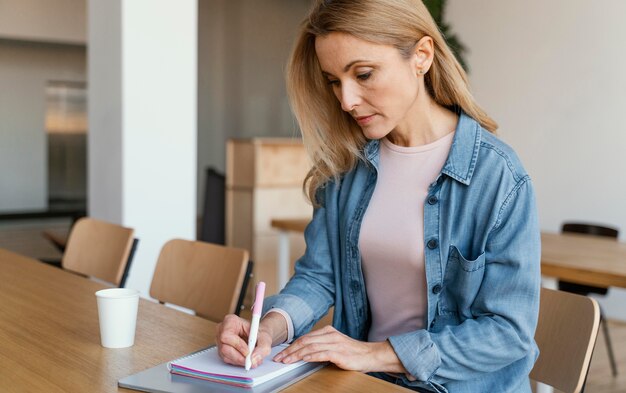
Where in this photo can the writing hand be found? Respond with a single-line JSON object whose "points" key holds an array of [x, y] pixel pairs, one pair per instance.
{"points": [[232, 341]]}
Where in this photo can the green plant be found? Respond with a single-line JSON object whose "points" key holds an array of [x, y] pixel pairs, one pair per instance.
{"points": [[437, 10]]}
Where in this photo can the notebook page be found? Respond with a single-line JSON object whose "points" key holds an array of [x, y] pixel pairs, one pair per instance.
{"points": [[208, 362]]}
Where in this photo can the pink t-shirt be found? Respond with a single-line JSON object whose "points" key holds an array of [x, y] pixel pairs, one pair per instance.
{"points": [[392, 236]]}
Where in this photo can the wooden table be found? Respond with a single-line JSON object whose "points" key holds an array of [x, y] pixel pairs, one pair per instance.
{"points": [[584, 259], [50, 342], [578, 258]]}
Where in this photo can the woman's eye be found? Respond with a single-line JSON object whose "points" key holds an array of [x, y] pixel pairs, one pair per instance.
{"points": [[365, 76], [333, 82]]}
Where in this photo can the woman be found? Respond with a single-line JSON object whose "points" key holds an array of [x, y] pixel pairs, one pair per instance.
{"points": [[424, 236]]}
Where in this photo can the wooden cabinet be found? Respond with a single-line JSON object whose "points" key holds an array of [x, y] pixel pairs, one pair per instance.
{"points": [[263, 182]]}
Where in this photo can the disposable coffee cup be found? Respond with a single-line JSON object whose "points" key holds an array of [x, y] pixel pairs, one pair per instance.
{"points": [[117, 313]]}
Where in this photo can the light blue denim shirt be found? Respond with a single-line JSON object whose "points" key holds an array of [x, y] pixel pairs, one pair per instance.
{"points": [[482, 261]]}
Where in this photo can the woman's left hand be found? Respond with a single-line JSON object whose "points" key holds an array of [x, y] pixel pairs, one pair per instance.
{"points": [[329, 345]]}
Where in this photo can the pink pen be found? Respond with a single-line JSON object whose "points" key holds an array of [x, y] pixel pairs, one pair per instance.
{"points": [[257, 307]]}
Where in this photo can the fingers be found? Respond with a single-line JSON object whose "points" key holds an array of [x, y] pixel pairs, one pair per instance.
{"points": [[230, 339], [235, 342], [262, 350], [263, 345], [310, 343], [232, 356], [321, 356], [315, 352]]}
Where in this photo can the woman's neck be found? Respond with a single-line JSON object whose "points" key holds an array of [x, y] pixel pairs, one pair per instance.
{"points": [[428, 123]]}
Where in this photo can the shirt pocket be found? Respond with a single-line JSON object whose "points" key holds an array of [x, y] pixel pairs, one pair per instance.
{"points": [[461, 283]]}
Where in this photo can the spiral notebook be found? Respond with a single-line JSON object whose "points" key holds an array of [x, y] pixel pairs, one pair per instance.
{"points": [[207, 365], [270, 377]]}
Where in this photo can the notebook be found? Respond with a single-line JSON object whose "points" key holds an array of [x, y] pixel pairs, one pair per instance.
{"points": [[159, 379], [208, 365]]}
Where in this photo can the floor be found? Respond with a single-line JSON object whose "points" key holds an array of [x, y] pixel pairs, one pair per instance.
{"points": [[25, 238], [600, 379]]}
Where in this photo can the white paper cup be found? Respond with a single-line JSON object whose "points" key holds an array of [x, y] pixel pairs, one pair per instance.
{"points": [[117, 312]]}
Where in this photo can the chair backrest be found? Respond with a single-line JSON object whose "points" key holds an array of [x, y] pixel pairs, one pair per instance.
{"points": [[589, 229], [204, 277], [98, 249], [566, 335]]}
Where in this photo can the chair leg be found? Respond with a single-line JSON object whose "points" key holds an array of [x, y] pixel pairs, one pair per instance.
{"points": [[609, 347]]}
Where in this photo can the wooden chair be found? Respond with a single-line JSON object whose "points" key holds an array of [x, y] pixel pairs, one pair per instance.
{"points": [[585, 290], [99, 249], [204, 277], [566, 335]]}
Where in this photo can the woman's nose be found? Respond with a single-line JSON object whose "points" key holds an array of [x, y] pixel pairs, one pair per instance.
{"points": [[349, 97]]}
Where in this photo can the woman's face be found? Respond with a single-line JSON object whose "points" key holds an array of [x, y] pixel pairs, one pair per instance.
{"points": [[373, 82]]}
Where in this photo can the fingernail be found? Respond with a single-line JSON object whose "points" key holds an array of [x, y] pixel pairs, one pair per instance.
{"points": [[287, 359], [278, 357]]}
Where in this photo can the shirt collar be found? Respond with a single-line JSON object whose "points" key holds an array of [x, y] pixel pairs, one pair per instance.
{"points": [[463, 154]]}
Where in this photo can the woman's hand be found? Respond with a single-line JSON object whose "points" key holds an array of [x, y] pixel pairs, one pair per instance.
{"points": [[232, 342], [232, 338], [329, 345]]}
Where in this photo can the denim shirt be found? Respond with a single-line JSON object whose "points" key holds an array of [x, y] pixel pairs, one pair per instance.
{"points": [[482, 261]]}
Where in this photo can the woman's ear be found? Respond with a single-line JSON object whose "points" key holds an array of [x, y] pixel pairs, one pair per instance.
{"points": [[424, 53]]}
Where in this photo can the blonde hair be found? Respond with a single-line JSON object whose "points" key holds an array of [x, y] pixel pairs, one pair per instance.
{"points": [[333, 139]]}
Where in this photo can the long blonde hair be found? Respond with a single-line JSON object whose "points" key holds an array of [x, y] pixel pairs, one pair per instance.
{"points": [[333, 139]]}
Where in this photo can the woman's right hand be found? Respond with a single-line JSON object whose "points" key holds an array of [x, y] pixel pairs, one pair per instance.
{"points": [[232, 338]]}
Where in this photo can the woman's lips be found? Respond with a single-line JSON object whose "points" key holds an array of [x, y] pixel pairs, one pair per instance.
{"points": [[364, 120]]}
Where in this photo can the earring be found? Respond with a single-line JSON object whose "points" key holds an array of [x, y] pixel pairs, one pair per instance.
{"points": [[420, 72]]}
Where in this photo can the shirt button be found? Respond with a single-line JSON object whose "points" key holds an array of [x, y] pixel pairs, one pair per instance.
{"points": [[432, 324], [355, 285], [437, 289], [432, 244], [432, 200]]}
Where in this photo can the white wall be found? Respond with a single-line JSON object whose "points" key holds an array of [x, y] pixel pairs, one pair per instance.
{"points": [[243, 48], [143, 122], [25, 68], [61, 21], [552, 74]]}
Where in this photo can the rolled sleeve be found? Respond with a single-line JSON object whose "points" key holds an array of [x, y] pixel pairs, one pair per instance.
{"points": [[418, 353], [300, 312]]}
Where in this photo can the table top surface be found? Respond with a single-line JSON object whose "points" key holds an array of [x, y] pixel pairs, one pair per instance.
{"points": [[579, 258], [287, 224], [50, 340], [584, 258]]}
